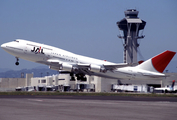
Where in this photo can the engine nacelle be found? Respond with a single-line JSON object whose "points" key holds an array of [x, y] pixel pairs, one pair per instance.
{"points": [[54, 68], [95, 68], [66, 67]]}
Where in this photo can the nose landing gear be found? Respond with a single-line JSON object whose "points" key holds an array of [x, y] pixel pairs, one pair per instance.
{"points": [[17, 63]]}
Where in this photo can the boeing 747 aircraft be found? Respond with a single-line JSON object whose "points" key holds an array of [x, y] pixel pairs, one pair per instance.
{"points": [[79, 66]]}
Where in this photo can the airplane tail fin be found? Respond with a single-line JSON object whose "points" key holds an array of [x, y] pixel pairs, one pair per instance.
{"points": [[173, 83], [157, 63]]}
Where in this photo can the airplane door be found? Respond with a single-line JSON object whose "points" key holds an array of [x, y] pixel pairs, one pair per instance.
{"points": [[25, 49], [42, 53], [47, 53]]}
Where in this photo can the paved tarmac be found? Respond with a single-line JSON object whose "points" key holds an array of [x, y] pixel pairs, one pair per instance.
{"points": [[87, 108]]}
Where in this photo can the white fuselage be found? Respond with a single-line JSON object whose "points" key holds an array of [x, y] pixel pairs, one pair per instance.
{"points": [[41, 53]]}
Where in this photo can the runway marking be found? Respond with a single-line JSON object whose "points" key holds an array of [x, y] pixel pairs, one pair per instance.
{"points": [[38, 100]]}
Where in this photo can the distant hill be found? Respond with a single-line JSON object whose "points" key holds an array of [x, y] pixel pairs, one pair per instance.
{"points": [[4, 69], [37, 72]]}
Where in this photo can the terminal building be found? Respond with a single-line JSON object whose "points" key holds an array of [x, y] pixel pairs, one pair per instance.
{"points": [[130, 26], [63, 82]]}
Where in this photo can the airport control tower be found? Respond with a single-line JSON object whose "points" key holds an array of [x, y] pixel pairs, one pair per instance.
{"points": [[131, 25]]}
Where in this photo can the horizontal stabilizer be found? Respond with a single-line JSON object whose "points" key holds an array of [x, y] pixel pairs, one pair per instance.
{"points": [[155, 76]]}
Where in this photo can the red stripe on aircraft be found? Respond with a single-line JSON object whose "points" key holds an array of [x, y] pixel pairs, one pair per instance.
{"points": [[39, 49], [161, 61]]}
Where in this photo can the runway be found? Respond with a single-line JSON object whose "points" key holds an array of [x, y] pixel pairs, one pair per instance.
{"points": [[87, 108]]}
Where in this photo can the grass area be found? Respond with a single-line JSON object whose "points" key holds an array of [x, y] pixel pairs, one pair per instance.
{"points": [[89, 94]]}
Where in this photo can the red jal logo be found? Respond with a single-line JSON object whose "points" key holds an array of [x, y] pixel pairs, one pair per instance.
{"points": [[37, 50]]}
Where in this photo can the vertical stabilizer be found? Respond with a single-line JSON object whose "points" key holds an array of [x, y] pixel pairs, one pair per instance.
{"points": [[158, 63], [173, 83], [161, 61]]}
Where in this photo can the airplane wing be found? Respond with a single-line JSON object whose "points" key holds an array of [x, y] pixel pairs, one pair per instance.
{"points": [[80, 68], [53, 61], [83, 68], [107, 67], [112, 67]]}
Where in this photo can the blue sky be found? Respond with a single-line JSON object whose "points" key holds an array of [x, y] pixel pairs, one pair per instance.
{"points": [[86, 27]]}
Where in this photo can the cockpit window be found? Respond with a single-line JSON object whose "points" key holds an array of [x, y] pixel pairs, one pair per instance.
{"points": [[16, 41]]}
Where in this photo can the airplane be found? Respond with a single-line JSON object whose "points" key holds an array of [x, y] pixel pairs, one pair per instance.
{"points": [[78, 66], [168, 88]]}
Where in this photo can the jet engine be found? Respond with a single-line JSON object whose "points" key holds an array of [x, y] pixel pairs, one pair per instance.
{"points": [[54, 68], [96, 68], [66, 67], [63, 66]]}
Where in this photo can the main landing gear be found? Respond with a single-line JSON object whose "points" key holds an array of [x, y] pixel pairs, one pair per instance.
{"points": [[17, 63], [80, 77]]}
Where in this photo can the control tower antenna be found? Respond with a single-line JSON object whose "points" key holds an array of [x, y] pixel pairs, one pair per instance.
{"points": [[131, 25]]}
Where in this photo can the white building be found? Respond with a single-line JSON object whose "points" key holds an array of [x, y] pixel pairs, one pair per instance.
{"points": [[63, 82]]}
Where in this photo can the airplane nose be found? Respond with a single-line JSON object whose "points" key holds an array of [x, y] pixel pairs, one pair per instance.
{"points": [[3, 45]]}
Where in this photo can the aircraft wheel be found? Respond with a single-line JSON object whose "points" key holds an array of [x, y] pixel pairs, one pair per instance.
{"points": [[72, 78], [166, 91], [17, 63]]}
